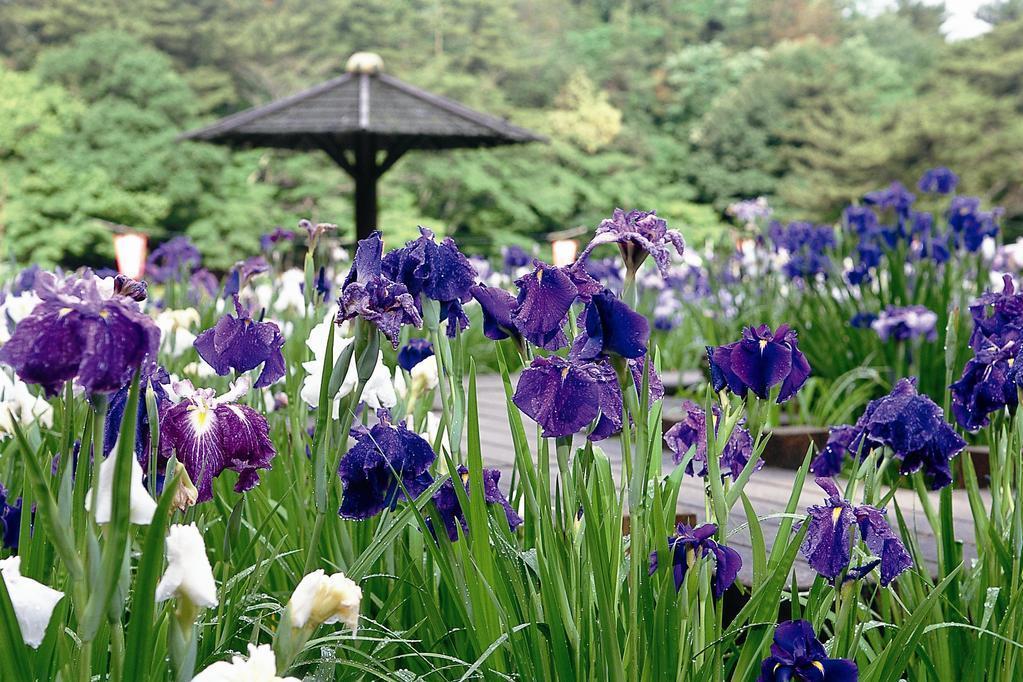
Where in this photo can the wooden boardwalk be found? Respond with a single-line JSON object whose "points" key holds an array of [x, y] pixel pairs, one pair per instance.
{"points": [[768, 489]]}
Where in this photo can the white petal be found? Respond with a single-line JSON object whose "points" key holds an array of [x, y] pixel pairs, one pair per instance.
{"points": [[189, 574], [379, 391], [33, 602], [142, 505], [261, 666]]}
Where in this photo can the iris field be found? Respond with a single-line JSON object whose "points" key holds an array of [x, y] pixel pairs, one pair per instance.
{"points": [[278, 473]]}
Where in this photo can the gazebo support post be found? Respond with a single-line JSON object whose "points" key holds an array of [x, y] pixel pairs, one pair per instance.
{"points": [[366, 174]]}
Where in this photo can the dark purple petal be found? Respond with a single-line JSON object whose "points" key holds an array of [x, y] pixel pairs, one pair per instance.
{"points": [[240, 344], [77, 333], [843, 442], [828, 542], [371, 470], [638, 234], [687, 544], [610, 327], [386, 304], [497, 305], [450, 510], [545, 299], [915, 430], [414, 352], [560, 396], [208, 438], [938, 180], [654, 383], [439, 271], [797, 654], [245, 442], [883, 542], [609, 400], [156, 378]]}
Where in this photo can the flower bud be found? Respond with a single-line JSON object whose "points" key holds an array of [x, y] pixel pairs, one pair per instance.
{"points": [[322, 599], [186, 493]]}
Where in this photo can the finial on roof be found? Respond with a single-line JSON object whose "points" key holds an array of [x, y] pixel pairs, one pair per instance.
{"points": [[365, 62]]}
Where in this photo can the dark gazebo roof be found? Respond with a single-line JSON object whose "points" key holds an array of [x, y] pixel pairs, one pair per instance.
{"points": [[357, 116]]}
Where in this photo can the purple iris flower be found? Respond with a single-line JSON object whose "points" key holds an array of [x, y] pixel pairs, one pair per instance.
{"points": [[315, 230], [760, 360], [829, 536], [996, 316], [638, 234], [414, 352], [368, 294], [202, 282], [324, 287], [450, 510], [76, 332], [10, 519], [155, 378], [691, 431], [910, 425], [970, 225], [565, 396], [798, 656], [209, 434], [25, 280], [241, 343], [497, 306], [938, 180], [172, 259], [862, 320], [861, 219], [279, 234], [987, 384], [610, 327], [242, 272], [654, 383], [806, 245], [750, 210], [545, 298], [688, 545], [384, 460], [438, 271], [515, 257], [895, 197], [904, 323]]}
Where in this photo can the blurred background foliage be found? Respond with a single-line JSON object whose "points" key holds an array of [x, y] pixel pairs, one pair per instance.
{"points": [[682, 106]]}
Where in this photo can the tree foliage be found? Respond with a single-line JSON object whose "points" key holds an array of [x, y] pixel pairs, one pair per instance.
{"points": [[683, 107]]}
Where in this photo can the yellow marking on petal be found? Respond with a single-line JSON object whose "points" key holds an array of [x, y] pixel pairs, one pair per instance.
{"points": [[464, 477], [819, 666], [63, 311], [564, 373], [836, 514], [539, 275], [763, 345], [1011, 360], [776, 666], [104, 314]]}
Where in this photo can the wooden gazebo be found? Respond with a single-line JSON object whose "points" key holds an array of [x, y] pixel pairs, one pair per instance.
{"points": [[365, 120]]}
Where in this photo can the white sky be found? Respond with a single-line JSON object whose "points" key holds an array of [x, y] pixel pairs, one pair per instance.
{"points": [[961, 23]]}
